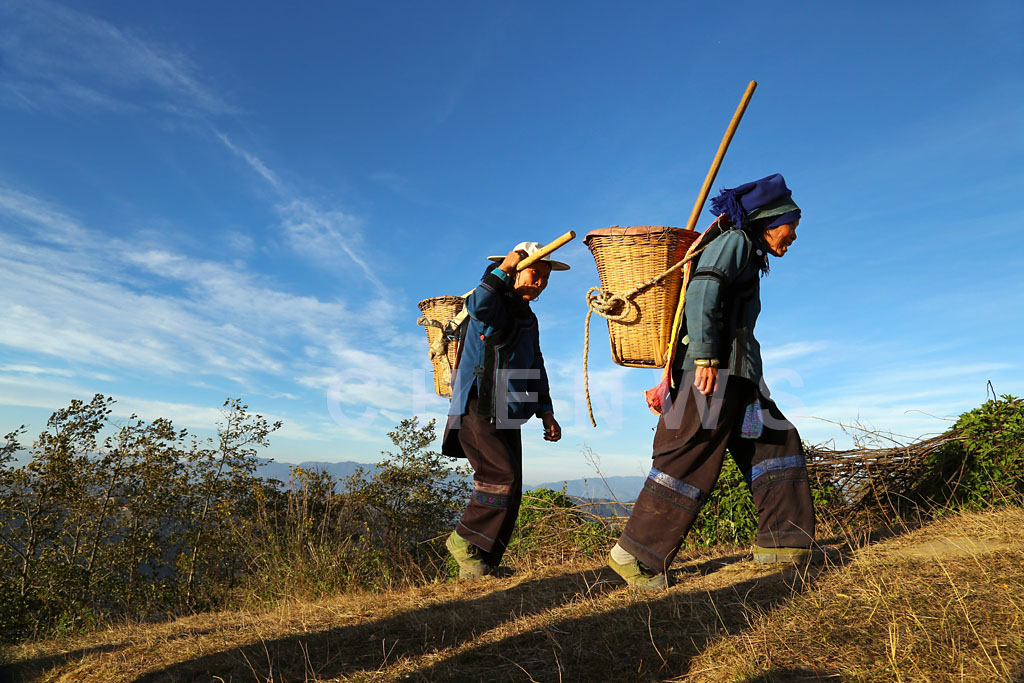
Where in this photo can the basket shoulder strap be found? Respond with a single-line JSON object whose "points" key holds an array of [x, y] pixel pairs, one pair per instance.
{"points": [[460, 318]]}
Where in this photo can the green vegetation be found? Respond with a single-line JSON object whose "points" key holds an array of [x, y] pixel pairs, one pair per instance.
{"points": [[142, 521], [376, 531], [986, 466], [552, 529], [729, 515], [145, 523], [150, 522]]}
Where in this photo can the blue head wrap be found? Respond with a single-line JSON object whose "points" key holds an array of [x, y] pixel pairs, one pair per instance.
{"points": [[767, 201]]}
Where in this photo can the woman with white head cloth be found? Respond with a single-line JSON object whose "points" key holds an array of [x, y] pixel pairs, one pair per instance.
{"points": [[499, 383]]}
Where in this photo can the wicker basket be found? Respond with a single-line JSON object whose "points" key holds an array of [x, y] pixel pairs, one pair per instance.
{"points": [[442, 309], [626, 258]]}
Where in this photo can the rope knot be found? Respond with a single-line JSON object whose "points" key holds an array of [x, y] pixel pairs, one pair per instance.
{"points": [[609, 305], [618, 308], [438, 347]]}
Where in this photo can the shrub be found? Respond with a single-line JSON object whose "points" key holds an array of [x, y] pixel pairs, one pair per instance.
{"points": [[144, 523], [986, 466], [729, 515], [375, 530], [407, 508]]}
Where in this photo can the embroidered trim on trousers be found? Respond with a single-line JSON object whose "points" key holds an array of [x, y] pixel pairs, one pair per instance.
{"points": [[497, 461], [688, 458]]}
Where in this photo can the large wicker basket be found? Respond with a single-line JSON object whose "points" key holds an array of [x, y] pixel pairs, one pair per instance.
{"points": [[438, 312], [626, 258]]}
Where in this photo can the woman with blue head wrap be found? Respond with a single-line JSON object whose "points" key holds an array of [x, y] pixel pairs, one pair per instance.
{"points": [[764, 210], [721, 402]]}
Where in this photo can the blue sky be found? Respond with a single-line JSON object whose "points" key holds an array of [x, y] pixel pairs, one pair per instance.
{"points": [[204, 200]]}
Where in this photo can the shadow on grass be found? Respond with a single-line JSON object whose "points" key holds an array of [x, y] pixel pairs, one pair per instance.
{"points": [[374, 645], [649, 638], [789, 675], [31, 669]]}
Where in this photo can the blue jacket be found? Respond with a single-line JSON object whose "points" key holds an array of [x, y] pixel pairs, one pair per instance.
{"points": [[500, 357], [723, 301]]}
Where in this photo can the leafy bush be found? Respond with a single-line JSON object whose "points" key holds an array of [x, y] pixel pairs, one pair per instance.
{"points": [[986, 466], [150, 522], [145, 523], [375, 530], [729, 515], [414, 498]]}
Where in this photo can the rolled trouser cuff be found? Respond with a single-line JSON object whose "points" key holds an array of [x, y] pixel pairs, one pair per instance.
{"points": [[785, 539]]}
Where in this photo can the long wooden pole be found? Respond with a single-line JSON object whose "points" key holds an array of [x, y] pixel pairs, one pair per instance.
{"points": [[701, 198], [546, 249], [722, 148]]}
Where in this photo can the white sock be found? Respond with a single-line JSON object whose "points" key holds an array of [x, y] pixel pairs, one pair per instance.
{"points": [[620, 555]]}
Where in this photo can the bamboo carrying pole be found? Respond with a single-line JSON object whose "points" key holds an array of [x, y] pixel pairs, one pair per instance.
{"points": [[722, 148], [706, 188], [547, 249]]}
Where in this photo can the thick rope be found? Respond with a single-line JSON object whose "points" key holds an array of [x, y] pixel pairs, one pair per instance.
{"points": [[617, 307], [439, 347]]}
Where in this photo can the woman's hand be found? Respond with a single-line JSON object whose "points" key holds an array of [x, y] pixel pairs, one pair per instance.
{"points": [[552, 430], [706, 380], [508, 266]]}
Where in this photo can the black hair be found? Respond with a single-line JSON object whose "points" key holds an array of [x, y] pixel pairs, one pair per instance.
{"points": [[755, 231]]}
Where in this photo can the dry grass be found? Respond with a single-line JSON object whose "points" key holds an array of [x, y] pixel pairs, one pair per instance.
{"points": [[940, 603], [945, 602]]}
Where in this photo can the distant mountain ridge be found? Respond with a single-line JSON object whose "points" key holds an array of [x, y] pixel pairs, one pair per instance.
{"points": [[624, 489], [272, 469]]}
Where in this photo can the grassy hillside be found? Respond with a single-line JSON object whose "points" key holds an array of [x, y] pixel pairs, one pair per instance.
{"points": [[942, 602]]}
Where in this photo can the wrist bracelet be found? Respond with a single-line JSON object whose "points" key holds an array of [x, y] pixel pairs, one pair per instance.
{"points": [[706, 362]]}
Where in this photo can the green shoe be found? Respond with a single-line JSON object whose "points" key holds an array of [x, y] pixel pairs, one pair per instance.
{"points": [[638, 575], [795, 555], [467, 555]]}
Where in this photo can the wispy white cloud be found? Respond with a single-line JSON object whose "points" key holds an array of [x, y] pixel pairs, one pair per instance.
{"points": [[225, 322], [908, 401], [109, 308], [50, 394], [56, 56], [792, 351], [252, 160], [39, 217], [36, 370], [116, 306], [325, 235], [79, 319]]}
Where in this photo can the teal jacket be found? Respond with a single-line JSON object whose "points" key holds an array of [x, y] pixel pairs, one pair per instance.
{"points": [[723, 300]]}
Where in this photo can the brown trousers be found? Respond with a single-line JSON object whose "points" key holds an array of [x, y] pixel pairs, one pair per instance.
{"points": [[688, 457], [496, 456]]}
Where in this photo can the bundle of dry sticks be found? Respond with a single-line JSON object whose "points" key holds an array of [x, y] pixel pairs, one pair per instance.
{"points": [[873, 471]]}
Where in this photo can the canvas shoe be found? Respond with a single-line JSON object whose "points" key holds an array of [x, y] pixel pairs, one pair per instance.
{"points": [[467, 555], [795, 555], [638, 575]]}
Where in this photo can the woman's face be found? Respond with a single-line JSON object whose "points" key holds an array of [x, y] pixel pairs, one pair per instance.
{"points": [[780, 237], [530, 282]]}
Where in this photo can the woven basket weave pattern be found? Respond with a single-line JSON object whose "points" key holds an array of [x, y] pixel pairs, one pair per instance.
{"points": [[442, 309], [627, 257]]}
